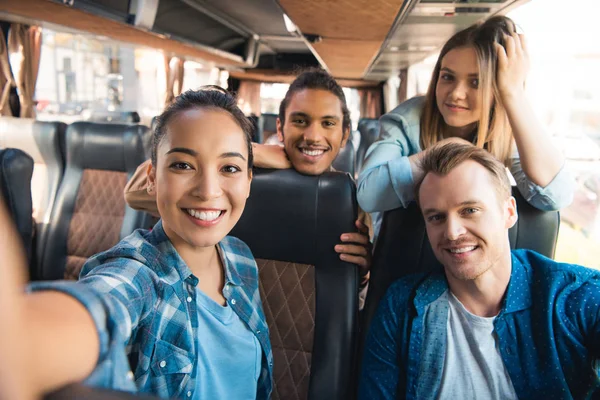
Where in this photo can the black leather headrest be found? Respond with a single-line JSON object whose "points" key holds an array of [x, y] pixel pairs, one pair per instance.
{"points": [[369, 128], [269, 122], [369, 132], [117, 117], [296, 212], [346, 159], [105, 146], [257, 135], [16, 169]]}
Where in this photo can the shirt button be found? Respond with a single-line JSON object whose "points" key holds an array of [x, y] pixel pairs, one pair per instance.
{"points": [[189, 393], [189, 299], [163, 364], [130, 375], [226, 288], [233, 301], [258, 332]]}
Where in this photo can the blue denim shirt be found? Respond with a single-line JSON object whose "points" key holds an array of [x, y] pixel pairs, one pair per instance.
{"points": [[386, 180], [142, 298], [548, 333]]}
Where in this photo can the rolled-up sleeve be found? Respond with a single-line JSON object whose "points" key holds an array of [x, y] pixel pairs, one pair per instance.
{"points": [[118, 295], [386, 180], [554, 196]]}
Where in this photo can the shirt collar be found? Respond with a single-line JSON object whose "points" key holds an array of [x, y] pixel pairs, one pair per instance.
{"points": [[231, 273], [431, 288], [182, 271], [518, 293], [517, 297]]}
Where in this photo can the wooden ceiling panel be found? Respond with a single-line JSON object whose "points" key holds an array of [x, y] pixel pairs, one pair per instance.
{"points": [[352, 31], [347, 58], [55, 13], [344, 19]]}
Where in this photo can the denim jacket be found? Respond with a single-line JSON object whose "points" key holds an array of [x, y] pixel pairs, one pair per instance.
{"points": [[141, 297]]}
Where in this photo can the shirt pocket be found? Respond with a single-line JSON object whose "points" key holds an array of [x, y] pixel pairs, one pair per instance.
{"points": [[171, 368]]}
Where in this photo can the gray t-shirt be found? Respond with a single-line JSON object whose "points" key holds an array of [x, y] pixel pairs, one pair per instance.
{"points": [[473, 368]]}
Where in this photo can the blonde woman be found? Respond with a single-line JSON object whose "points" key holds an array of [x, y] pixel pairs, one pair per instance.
{"points": [[476, 95]]}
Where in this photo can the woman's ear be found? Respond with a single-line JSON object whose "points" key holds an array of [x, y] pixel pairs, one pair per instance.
{"points": [[249, 184], [151, 171]]}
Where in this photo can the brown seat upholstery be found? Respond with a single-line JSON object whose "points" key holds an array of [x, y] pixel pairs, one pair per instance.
{"points": [[90, 214], [292, 223]]}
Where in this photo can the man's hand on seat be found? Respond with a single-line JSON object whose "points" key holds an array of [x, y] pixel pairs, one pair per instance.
{"points": [[357, 249], [270, 156]]}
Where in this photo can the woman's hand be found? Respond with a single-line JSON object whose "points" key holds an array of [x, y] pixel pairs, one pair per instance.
{"points": [[513, 65]]}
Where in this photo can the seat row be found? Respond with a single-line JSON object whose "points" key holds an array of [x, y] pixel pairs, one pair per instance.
{"points": [[79, 173]]}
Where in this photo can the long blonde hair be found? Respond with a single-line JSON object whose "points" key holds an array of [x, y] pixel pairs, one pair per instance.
{"points": [[493, 130]]}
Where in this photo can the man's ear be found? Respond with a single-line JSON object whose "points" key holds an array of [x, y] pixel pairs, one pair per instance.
{"points": [[510, 209], [279, 130], [345, 137], [151, 171]]}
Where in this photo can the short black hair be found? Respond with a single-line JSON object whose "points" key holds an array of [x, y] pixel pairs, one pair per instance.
{"points": [[316, 78], [210, 96]]}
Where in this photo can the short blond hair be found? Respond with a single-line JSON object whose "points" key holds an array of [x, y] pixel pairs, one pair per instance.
{"points": [[442, 158]]}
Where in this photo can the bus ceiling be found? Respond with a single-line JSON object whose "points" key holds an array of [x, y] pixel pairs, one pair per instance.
{"points": [[360, 41]]}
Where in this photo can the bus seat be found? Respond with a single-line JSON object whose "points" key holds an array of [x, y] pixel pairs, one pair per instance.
{"points": [[114, 117], [369, 132], [292, 223], [44, 142], [269, 125], [90, 214], [346, 159], [403, 248], [16, 169], [257, 132]]}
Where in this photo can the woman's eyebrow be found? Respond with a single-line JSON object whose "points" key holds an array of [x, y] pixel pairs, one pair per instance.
{"points": [[184, 150], [232, 154]]}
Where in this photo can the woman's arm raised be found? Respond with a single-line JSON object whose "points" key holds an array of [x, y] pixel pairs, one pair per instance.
{"points": [[48, 339]]}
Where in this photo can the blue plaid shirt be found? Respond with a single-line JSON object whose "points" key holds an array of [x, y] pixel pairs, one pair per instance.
{"points": [[142, 298]]}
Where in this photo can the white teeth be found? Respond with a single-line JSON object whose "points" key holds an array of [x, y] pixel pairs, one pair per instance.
{"points": [[313, 152], [462, 249], [204, 215]]}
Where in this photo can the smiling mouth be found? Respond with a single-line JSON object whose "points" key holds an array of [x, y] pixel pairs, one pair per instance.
{"points": [[206, 216], [312, 152], [462, 250]]}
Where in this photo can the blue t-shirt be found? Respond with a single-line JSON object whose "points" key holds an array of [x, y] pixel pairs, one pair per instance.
{"points": [[229, 354]]}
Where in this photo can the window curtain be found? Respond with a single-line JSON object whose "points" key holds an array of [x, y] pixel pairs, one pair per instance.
{"points": [[370, 102], [174, 78], [26, 41], [248, 96], [6, 78]]}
